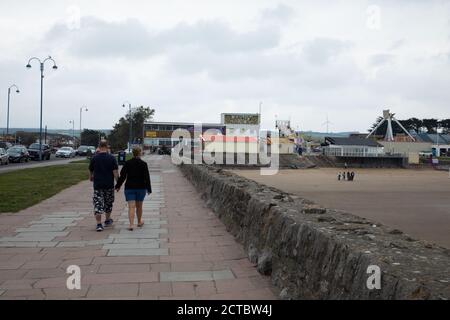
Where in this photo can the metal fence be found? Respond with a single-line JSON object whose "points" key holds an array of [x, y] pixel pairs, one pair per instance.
{"points": [[353, 151]]}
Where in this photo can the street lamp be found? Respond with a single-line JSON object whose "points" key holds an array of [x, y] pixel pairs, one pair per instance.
{"points": [[438, 151], [81, 111], [73, 131], [131, 125], [7, 117], [41, 64]]}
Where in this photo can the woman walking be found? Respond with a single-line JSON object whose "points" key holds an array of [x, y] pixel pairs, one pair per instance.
{"points": [[135, 173]]}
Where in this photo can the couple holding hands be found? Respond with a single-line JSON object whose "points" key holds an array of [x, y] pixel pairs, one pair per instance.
{"points": [[104, 170]]}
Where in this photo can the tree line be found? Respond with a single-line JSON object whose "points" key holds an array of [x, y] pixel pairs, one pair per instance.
{"points": [[418, 125], [119, 136]]}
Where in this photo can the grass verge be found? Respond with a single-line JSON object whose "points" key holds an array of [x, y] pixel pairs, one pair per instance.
{"points": [[24, 188], [81, 161]]}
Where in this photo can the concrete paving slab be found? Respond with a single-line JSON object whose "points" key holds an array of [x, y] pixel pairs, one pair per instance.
{"points": [[144, 231], [152, 235], [55, 220], [47, 244], [62, 215], [15, 244], [46, 233], [37, 228], [196, 276], [72, 244], [27, 239], [137, 252], [153, 245]]}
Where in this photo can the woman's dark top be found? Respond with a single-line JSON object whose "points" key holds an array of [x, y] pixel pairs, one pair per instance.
{"points": [[135, 172]]}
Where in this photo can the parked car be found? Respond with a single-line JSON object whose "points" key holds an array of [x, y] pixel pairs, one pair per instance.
{"points": [[84, 151], [33, 150], [65, 152], [18, 154], [4, 158], [5, 145], [92, 151]]}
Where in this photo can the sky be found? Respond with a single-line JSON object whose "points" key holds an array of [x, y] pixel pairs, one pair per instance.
{"points": [[305, 61]]}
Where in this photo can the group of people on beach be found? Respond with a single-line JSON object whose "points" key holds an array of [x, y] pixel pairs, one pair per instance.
{"points": [[104, 171], [349, 176]]}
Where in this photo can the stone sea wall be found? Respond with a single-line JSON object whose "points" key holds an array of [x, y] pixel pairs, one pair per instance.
{"points": [[312, 252]]}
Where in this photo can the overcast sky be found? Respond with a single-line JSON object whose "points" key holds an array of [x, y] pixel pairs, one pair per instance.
{"points": [[192, 60]]}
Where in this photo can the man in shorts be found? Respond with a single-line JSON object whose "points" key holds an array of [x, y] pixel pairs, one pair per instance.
{"points": [[103, 171]]}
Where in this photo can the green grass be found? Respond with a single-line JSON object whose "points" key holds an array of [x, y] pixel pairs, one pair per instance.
{"points": [[24, 188], [81, 161]]}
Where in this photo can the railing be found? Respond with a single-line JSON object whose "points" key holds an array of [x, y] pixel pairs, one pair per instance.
{"points": [[353, 152]]}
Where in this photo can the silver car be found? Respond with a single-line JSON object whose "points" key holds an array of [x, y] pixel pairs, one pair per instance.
{"points": [[65, 152], [4, 158]]}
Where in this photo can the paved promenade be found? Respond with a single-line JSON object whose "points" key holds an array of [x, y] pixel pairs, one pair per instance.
{"points": [[182, 252]]}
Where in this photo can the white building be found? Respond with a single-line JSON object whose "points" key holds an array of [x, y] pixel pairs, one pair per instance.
{"points": [[352, 147]]}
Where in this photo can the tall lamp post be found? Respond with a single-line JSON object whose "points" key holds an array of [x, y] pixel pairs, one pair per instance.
{"points": [[81, 111], [9, 97], [41, 64], [73, 131], [438, 151], [131, 124]]}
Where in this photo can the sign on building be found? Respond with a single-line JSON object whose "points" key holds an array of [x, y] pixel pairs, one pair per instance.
{"points": [[150, 134], [240, 118]]}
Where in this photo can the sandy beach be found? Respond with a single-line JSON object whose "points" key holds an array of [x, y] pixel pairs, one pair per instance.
{"points": [[414, 201]]}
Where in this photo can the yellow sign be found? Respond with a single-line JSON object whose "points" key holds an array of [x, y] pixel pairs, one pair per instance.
{"points": [[150, 134]]}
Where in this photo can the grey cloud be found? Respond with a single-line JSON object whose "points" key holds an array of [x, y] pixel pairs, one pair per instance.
{"points": [[322, 50], [397, 44], [97, 38], [380, 59], [293, 69], [280, 14], [233, 66], [219, 37], [426, 82], [130, 38]]}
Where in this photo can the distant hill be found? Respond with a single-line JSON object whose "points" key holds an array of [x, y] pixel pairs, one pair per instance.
{"points": [[67, 132], [322, 135]]}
